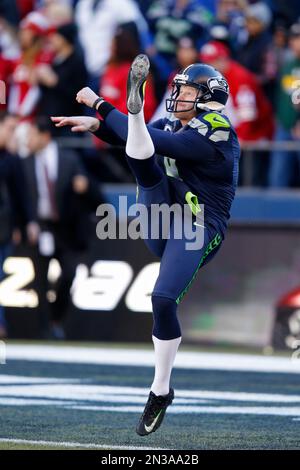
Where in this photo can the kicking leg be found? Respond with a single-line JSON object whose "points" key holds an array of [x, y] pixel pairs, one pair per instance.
{"points": [[152, 182], [139, 145]]}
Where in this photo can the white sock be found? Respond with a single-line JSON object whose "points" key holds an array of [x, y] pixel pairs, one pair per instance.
{"points": [[139, 144], [165, 352]]}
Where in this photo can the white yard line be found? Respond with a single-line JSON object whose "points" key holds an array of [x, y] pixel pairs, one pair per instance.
{"points": [[22, 379], [115, 399], [132, 357], [54, 389], [76, 444], [194, 410]]}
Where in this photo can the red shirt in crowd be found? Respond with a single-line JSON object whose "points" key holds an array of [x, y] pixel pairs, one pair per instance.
{"points": [[248, 108], [22, 95], [113, 89]]}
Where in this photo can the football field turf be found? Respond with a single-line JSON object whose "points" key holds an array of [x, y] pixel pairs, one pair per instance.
{"points": [[77, 397]]}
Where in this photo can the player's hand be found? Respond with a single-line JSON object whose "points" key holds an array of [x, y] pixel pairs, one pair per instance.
{"points": [[86, 96], [78, 123]]}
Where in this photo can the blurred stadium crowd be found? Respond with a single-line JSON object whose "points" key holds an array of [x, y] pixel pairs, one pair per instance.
{"points": [[50, 49]]}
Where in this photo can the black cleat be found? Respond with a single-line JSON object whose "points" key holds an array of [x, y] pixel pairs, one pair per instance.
{"points": [[154, 412], [136, 83]]}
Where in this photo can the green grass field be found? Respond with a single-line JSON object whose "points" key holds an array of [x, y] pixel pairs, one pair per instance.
{"points": [[57, 405]]}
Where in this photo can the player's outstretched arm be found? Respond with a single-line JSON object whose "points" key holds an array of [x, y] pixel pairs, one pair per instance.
{"points": [[181, 146], [87, 123], [77, 123], [189, 145]]}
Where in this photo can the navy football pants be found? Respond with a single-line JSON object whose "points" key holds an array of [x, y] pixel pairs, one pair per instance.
{"points": [[179, 266]]}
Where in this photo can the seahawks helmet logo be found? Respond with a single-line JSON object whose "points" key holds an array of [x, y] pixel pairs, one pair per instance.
{"points": [[217, 83], [181, 78]]}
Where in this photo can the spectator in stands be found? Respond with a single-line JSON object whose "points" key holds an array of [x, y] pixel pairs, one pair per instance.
{"points": [[23, 90], [58, 185], [285, 165], [186, 54], [60, 81], [255, 53], [280, 45], [15, 213], [171, 20], [277, 54], [230, 16], [125, 47], [248, 108], [98, 21]]}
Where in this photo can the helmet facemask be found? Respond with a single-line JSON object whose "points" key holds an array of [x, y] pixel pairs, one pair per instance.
{"points": [[172, 102]]}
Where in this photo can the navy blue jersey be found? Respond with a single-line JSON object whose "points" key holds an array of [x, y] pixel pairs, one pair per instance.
{"points": [[212, 176], [201, 157]]}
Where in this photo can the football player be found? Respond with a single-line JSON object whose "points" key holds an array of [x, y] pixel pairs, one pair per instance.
{"points": [[190, 157]]}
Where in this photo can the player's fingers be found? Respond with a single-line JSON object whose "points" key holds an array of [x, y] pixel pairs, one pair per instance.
{"points": [[57, 118], [66, 122], [78, 129], [61, 121]]}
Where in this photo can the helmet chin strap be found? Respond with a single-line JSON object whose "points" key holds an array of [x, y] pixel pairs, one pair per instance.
{"points": [[201, 106], [207, 107]]}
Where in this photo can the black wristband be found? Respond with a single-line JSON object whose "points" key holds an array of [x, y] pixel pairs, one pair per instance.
{"points": [[105, 109], [97, 101]]}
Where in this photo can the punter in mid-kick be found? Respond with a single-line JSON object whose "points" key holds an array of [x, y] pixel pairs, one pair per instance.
{"points": [[190, 157]]}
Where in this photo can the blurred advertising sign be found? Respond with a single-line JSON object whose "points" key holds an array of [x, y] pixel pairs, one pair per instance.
{"points": [[231, 301]]}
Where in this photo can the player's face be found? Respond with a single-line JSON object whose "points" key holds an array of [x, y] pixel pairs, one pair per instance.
{"points": [[187, 93]]}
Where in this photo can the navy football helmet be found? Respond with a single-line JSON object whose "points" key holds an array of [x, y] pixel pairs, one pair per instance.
{"points": [[213, 89]]}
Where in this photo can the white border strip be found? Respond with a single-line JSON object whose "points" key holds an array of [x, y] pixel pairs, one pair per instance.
{"points": [[141, 357]]}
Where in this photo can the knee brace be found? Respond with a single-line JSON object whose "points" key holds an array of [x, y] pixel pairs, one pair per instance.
{"points": [[166, 325]]}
